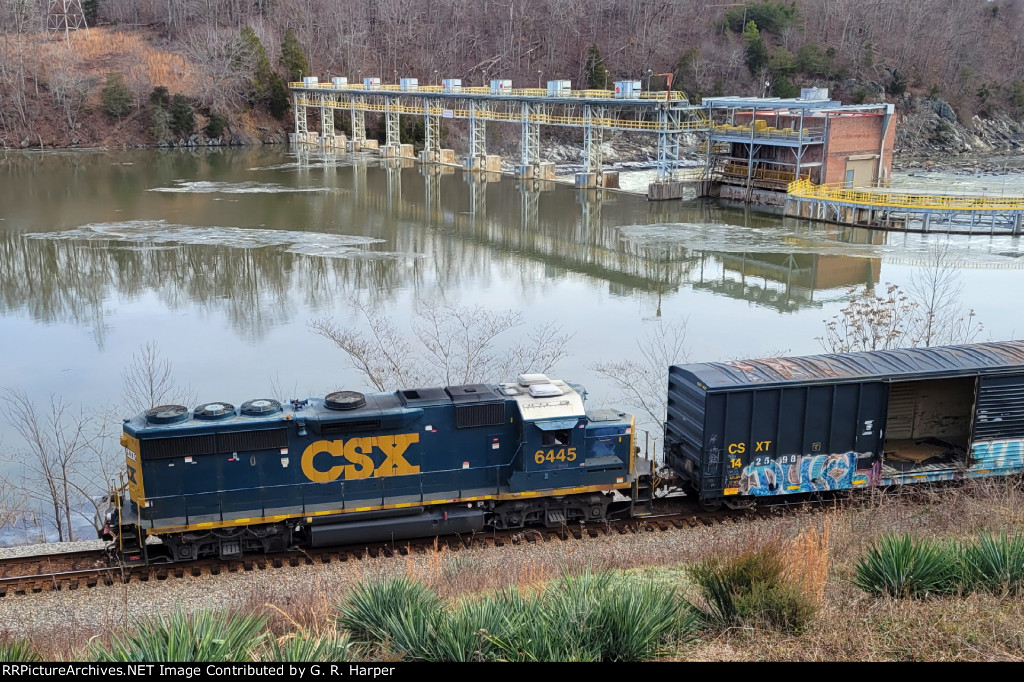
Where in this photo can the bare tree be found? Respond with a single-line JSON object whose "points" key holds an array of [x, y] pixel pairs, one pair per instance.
{"points": [[381, 353], [643, 381], [214, 51], [450, 344], [68, 87], [936, 290], [62, 448], [12, 503], [149, 381]]}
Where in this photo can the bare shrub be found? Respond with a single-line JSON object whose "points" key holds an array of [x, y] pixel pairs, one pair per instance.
{"points": [[450, 345], [928, 313], [642, 383], [148, 381], [871, 322]]}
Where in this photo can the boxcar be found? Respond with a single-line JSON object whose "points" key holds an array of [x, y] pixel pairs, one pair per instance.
{"points": [[737, 431], [354, 467]]}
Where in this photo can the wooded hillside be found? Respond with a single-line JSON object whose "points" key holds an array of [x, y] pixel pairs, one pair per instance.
{"points": [[223, 58]]}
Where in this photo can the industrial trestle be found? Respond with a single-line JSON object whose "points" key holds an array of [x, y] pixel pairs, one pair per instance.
{"points": [[810, 154], [668, 115]]}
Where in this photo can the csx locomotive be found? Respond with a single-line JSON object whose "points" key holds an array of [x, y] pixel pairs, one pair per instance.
{"points": [[352, 468], [218, 481]]}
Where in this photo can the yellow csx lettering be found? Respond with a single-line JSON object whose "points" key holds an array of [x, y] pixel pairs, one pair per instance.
{"points": [[356, 452], [737, 448]]}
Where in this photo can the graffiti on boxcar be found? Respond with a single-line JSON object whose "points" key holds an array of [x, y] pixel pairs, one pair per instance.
{"points": [[998, 454], [797, 474]]}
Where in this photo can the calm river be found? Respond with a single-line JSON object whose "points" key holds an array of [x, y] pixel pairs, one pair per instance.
{"points": [[223, 257]]}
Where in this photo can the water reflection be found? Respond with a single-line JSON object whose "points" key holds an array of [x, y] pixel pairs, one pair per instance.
{"points": [[73, 279], [383, 228]]}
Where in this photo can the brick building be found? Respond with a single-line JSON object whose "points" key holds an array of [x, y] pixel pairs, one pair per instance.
{"points": [[760, 145]]}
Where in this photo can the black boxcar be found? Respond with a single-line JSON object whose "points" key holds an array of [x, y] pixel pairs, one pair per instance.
{"points": [[736, 431]]}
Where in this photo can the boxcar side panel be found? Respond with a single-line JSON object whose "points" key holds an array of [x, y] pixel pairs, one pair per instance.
{"points": [[777, 441], [684, 426], [997, 446]]}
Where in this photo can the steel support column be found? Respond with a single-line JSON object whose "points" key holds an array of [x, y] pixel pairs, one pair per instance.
{"points": [[392, 136], [593, 139], [669, 134], [358, 116], [327, 105], [477, 130], [300, 119], [530, 153], [431, 131]]}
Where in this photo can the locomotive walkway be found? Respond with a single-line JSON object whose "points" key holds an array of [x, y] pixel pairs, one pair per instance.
{"points": [[906, 211]]}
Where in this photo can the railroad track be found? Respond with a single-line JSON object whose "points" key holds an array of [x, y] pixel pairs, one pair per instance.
{"points": [[76, 570]]}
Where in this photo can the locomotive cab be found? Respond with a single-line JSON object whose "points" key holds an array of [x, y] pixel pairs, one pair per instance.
{"points": [[564, 446]]}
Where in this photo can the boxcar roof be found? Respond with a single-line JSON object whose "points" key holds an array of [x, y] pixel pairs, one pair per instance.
{"points": [[893, 364]]}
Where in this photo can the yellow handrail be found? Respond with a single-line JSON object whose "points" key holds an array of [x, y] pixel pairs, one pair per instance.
{"points": [[805, 189]]}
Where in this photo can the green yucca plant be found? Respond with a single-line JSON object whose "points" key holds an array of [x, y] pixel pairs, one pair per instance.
{"points": [[469, 630], [185, 637], [388, 611], [637, 619], [587, 617], [307, 647], [595, 617], [18, 650], [750, 590], [904, 566], [994, 563]]}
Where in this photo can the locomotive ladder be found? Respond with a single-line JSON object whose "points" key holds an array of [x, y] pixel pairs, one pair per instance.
{"points": [[643, 489]]}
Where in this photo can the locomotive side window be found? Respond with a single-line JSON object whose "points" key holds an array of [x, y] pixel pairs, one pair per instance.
{"points": [[560, 437]]}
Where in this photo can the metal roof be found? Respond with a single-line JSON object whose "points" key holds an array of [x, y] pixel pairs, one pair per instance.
{"points": [[885, 364]]}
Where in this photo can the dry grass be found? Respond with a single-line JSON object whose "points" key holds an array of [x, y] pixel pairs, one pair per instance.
{"points": [[107, 50], [820, 551], [807, 561]]}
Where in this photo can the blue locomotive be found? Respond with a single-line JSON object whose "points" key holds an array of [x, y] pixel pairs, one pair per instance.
{"points": [[351, 468]]}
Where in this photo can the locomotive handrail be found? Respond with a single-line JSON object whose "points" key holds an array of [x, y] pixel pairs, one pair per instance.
{"points": [[266, 495]]}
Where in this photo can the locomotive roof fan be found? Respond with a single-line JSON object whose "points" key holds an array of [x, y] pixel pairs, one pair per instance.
{"points": [[260, 407], [167, 414], [345, 400], [214, 411]]}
